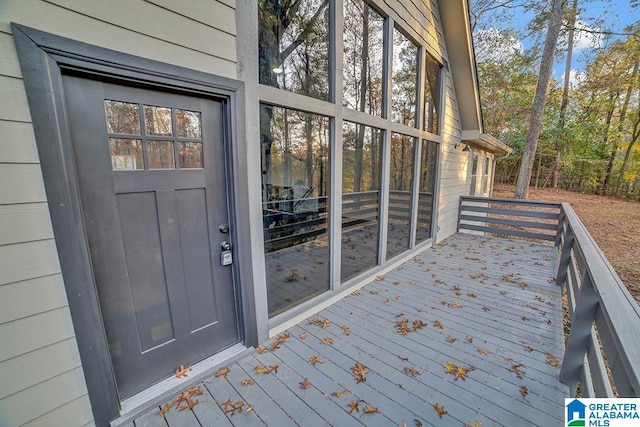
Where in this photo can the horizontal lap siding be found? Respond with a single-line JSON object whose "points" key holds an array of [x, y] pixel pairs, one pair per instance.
{"points": [[40, 369]]}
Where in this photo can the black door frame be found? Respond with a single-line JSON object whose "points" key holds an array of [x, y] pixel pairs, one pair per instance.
{"points": [[44, 58]]}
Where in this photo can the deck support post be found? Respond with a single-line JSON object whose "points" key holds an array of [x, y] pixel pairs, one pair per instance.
{"points": [[565, 257], [579, 341], [561, 220]]}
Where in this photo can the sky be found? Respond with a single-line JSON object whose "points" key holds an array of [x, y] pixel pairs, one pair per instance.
{"points": [[613, 15]]}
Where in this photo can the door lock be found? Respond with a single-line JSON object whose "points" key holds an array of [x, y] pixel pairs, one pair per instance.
{"points": [[226, 257], [226, 246], [224, 228]]}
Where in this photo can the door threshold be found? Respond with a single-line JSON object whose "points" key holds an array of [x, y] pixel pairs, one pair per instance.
{"points": [[140, 403]]}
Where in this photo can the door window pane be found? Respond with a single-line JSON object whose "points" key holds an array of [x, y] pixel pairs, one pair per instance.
{"points": [[293, 46], [400, 181], [190, 154], [157, 120], [361, 171], [432, 95], [160, 155], [188, 124], [295, 165], [363, 57], [126, 154], [122, 117], [404, 81], [428, 161]]}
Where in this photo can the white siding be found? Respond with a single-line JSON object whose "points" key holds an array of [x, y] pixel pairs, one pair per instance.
{"points": [[40, 370]]}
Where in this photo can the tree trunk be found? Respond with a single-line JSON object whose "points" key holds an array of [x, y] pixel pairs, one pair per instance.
{"points": [[634, 138], [565, 96], [539, 100]]}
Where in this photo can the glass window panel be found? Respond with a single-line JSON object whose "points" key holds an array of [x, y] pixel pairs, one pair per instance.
{"points": [[293, 46], [361, 171], [428, 162], [400, 181], [295, 182], [432, 95], [160, 155], [188, 124], [157, 120], [363, 57], [404, 81], [126, 154], [122, 117], [190, 155]]}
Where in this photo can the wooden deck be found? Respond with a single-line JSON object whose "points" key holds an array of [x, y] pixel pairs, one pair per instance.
{"points": [[489, 306]]}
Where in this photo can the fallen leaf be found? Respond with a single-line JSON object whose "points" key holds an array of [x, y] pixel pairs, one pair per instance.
{"points": [[356, 293], [451, 339], [528, 349], [261, 350], [524, 391], [222, 372], [474, 424], [461, 373], [353, 406], [304, 384], [345, 330], [373, 292], [181, 372], [370, 409], [404, 359], [315, 359], [399, 315], [339, 393], [164, 409], [517, 369], [439, 409], [449, 367], [484, 351], [469, 339], [379, 278], [247, 382], [411, 371], [386, 300], [396, 283], [326, 341], [553, 360], [419, 324], [471, 295], [503, 292], [525, 318], [302, 335], [226, 405], [485, 308], [417, 422], [437, 324], [359, 372]]}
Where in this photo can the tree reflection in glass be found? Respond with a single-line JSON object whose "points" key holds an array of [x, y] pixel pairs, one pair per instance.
{"points": [[432, 95], [363, 57], [404, 81], [293, 46], [295, 211], [400, 182], [361, 171], [428, 161]]}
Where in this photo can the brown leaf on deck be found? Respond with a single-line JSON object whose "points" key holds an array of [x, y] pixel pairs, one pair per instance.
{"points": [[408, 370], [339, 393], [528, 349], [181, 372], [247, 382], [386, 300], [417, 422], [315, 359], [353, 406], [345, 330], [373, 292], [437, 324], [359, 372], [261, 350], [327, 341], [302, 335], [164, 409], [524, 390], [370, 409], [451, 339], [450, 367], [485, 308], [469, 339], [517, 369], [222, 372], [440, 410], [553, 360], [471, 295], [304, 384], [379, 278], [484, 351]]}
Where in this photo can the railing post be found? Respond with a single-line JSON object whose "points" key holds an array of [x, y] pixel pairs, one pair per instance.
{"points": [[565, 257], [580, 335], [459, 214], [560, 226]]}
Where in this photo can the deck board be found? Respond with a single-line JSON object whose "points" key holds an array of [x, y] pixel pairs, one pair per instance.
{"points": [[496, 297]]}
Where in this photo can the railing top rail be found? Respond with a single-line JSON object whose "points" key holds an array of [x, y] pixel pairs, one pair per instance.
{"points": [[511, 201]]}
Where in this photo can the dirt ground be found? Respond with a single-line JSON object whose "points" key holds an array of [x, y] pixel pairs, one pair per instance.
{"points": [[613, 223]]}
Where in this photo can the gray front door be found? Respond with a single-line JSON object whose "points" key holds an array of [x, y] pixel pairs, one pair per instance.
{"points": [[153, 186]]}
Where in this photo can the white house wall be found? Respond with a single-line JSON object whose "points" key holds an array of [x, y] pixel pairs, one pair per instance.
{"points": [[41, 378]]}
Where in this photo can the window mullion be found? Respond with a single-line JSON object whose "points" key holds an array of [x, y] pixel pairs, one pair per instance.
{"points": [[336, 47]]}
